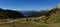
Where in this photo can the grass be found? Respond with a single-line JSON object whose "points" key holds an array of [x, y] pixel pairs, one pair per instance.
{"points": [[23, 23], [54, 21], [35, 24]]}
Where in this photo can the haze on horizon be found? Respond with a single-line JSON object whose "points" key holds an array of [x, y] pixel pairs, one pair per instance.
{"points": [[28, 4]]}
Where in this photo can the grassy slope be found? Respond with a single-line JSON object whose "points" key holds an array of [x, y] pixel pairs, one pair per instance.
{"points": [[29, 24], [55, 17], [54, 21]]}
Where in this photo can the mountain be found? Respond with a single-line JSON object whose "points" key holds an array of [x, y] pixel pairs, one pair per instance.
{"points": [[34, 13], [52, 16], [28, 13], [10, 14]]}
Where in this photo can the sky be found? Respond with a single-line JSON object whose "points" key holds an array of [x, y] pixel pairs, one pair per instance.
{"points": [[28, 4]]}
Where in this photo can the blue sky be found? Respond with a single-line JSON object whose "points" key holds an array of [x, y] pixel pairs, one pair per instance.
{"points": [[28, 4]]}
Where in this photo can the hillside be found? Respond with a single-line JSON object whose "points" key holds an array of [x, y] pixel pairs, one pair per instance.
{"points": [[6, 14], [52, 16], [49, 19], [53, 21], [55, 17]]}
